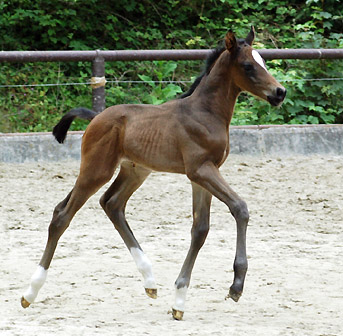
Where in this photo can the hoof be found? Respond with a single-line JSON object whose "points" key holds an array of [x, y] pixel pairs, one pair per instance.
{"points": [[24, 302], [177, 314], [151, 292], [234, 295]]}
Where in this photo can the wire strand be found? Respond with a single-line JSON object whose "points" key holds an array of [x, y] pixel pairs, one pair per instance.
{"points": [[147, 82], [89, 83]]}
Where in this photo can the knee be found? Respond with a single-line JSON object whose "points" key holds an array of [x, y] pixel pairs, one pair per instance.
{"points": [[240, 211]]}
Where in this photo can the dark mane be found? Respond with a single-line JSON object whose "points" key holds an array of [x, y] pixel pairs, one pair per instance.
{"points": [[215, 53]]}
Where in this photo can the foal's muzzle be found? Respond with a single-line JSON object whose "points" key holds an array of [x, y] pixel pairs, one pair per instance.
{"points": [[277, 98]]}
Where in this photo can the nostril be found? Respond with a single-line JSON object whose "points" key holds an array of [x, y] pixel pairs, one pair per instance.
{"points": [[281, 93]]}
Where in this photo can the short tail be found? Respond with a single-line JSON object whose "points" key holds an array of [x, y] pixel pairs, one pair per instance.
{"points": [[61, 129]]}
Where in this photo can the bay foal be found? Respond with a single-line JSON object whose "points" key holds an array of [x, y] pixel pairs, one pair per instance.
{"points": [[186, 136]]}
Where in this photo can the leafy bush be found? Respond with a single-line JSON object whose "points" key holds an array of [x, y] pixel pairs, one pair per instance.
{"points": [[36, 108], [164, 24]]}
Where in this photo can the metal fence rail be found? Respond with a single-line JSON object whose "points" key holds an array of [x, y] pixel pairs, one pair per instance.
{"points": [[150, 55], [99, 57]]}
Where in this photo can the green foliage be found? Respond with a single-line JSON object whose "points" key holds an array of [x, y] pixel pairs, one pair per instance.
{"points": [[153, 87], [38, 108], [165, 24], [160, 94]]}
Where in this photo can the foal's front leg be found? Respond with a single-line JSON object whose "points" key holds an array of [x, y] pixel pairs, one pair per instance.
{"points": [[209, 177], [201, 218]]}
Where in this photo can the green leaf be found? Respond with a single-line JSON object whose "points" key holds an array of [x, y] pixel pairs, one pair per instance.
{"points": [[313, 120], [325, 15]]}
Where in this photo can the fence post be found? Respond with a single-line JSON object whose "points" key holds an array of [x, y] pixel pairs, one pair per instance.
{"points": [[98, 82]]}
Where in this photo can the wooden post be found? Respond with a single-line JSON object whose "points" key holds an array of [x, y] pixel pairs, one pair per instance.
{"points": [[98, 82]]}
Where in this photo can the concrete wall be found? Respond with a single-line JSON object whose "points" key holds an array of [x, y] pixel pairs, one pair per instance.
{"points": [[28, 147], [249, 140], [287, 140]]}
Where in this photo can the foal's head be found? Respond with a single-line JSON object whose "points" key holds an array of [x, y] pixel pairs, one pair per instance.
{"points": [[249, 71]]}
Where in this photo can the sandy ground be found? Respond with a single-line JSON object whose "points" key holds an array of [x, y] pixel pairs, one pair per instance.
{"points": [[294, 284]]}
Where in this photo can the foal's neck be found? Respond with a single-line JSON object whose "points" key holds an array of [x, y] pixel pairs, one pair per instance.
{"points": [[217, 91]]}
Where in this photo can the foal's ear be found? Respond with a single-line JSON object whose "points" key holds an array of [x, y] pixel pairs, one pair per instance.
{"points": [[230, 41], [251, 36]]}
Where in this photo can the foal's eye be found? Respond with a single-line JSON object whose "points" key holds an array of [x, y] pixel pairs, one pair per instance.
{"points": [[248, 67]]}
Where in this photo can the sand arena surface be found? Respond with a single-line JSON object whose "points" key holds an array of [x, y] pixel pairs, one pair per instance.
{"points": [[294, 284]]}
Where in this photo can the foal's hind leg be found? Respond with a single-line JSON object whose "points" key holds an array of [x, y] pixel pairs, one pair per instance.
{"points": [[95, 171], [201, 217], [62, 216], [129, 179]]}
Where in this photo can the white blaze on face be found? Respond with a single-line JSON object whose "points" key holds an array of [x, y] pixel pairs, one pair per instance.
{"points": [[257, 57]]}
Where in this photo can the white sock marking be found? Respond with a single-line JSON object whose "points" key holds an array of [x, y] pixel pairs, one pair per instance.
{"points": [[258, 58], [37, 281], [144, 267], [180, 298]]}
